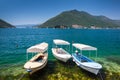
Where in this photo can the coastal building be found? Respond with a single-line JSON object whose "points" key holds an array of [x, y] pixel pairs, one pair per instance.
{"points": [[76, 26]]}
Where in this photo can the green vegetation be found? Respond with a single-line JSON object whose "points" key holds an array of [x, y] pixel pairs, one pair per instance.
{"points": [[117, 22], [57, 70], [114, 59], [4, 24], [80, 18]]}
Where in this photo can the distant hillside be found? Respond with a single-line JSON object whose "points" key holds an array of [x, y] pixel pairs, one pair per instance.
{"points": [[4, 24], [76, 18], [117, 22]]}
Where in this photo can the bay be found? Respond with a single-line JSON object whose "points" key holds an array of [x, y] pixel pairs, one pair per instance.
{"points": [[14, 42]]}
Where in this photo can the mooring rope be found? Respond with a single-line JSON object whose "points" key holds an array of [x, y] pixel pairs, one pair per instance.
{"points": [[21, 76], [101, 76]]}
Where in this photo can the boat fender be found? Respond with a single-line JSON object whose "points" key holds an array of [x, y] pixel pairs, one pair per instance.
{"points": [[29, 70]]}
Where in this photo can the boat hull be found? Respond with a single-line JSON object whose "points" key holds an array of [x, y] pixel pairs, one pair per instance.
{"points": [[92, 70], [61, 57], [33, 70], [91, 66]]}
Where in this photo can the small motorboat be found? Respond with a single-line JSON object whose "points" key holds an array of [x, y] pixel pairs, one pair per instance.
{"points": [[39, 61], [60, 53], [83, 61]]}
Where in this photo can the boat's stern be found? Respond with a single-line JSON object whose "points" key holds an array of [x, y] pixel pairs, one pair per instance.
{"points": [[93, 67]]}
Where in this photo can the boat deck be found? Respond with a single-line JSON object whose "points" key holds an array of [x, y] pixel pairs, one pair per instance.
{"points": [[82, 58]]}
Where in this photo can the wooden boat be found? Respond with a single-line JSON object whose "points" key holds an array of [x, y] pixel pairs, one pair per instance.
{"points": [[39, 61], [60, 53], [83, 61]]}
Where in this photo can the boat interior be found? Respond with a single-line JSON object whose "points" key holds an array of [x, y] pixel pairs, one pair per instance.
{"points": [[60, 51], [82, 58], [39, 57]]}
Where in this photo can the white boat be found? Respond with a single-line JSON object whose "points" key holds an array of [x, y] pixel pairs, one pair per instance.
{"points": [[60, 53], [83, 61], [39, 61]]}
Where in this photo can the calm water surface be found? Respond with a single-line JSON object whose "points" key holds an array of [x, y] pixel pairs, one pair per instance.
{"points": [[14, 42]]}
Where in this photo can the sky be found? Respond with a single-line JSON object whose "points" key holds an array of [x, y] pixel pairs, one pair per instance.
{"points": [[18, 12]]}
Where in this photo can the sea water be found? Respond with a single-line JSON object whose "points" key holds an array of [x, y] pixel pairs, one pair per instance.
{"points": [[15, 41]]}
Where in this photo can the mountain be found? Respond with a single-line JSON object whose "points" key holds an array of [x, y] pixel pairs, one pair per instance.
{"points": [[4, 24], [75, 18], [117, 22]]}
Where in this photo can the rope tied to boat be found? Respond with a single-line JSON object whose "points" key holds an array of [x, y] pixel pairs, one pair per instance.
{"points": [[22, 76], [101, 77]]}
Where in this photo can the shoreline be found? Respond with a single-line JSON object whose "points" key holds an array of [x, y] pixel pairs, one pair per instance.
{"points": [[62, 28]]}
